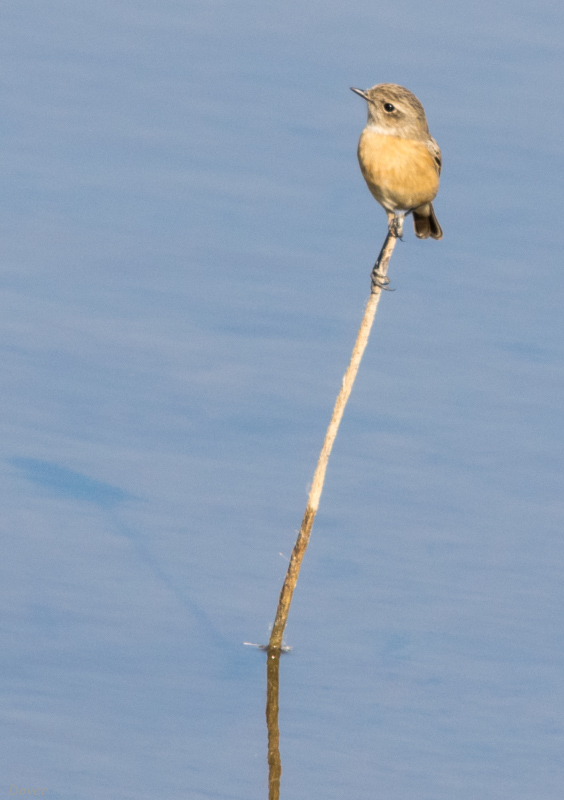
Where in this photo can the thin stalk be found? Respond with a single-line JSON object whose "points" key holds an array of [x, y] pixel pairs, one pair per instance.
{"points": [[379, 282]]}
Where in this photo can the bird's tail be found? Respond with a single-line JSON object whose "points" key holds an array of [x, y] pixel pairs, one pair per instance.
{"points": [[425, 222]]}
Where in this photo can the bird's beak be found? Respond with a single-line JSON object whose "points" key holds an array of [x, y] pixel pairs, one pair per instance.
{"points": [[361, 92]]}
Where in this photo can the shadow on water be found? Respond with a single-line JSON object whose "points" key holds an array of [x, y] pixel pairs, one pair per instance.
{"points": [[59, 481], [63, 482]]}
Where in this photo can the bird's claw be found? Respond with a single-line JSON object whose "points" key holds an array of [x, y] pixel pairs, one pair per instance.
{"points": [[380, 282]]}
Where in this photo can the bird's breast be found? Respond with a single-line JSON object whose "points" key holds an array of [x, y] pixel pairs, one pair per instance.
{"points": [[400, 173]]}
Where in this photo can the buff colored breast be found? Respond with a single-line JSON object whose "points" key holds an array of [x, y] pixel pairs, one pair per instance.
{"points": [[400, 173]]}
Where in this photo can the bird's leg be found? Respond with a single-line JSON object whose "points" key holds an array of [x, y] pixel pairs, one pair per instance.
{"points": [[395, 230], [379, 279], [395, 224]]}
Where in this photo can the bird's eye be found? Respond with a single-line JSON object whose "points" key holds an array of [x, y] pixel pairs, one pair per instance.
{"points": [[389, 107]]}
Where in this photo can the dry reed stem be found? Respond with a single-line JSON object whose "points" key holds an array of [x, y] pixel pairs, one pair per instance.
{"points": [[379, 281]]}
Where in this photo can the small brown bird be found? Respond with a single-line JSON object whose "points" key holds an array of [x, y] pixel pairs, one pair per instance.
{"points": [[398, 157]]}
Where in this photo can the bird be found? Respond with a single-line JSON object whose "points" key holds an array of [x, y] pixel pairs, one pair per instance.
{"points": [[399, 159]]}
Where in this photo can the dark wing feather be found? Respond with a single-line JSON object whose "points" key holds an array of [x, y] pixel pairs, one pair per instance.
{"points": [[435, 151]]}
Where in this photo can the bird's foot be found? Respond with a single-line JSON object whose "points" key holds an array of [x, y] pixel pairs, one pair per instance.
{"points": [[380, 281]]}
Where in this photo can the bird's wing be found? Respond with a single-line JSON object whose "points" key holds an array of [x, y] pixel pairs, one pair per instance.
{"points": [[435, 151]]}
